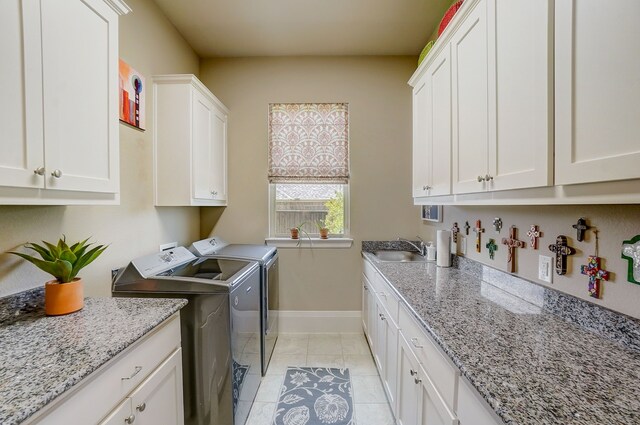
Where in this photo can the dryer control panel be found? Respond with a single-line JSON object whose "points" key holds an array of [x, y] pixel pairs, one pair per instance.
{"points": [[154, 264]]}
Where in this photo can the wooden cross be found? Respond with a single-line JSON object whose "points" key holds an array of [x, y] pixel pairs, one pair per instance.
{"points": [[562, 250], [581, 227], [631, 253], [595, 273], [479, 230], [534, 233], [512, 243], [497, 224], [467, 227], [454, 232], [492, 247]]}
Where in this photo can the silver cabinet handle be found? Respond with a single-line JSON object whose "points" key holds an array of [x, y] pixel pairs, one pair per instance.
{"points": [[414, 341], [382, 294], [39, 171], [131, 419], [417, 380], [214, 193], [426, 187], [480, 179], [366, 288], [57, 174], [488, 177], [413, 372], [135, 372], [382, 317], [141, 407]]}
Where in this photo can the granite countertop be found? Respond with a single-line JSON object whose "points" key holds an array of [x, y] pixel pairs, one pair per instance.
{"points": [[531, 366], [42, 357]]}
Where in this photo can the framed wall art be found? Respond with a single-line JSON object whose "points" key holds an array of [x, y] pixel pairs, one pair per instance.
{"points": [[432, 213], [132, 98]]}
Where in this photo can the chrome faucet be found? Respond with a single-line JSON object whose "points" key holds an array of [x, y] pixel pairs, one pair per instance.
{"points": [[422, 249]]}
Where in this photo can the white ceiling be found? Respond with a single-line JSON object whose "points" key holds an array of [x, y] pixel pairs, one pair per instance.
{"points": [[303, 27]]}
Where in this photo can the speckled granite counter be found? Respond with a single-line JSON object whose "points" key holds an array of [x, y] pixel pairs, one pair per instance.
{"points": [[530, 365], [42, 357]]}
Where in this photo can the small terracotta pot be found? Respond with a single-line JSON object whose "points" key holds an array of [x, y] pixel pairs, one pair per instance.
{"points": [[63, 298], [294, 233], [324, 233]]}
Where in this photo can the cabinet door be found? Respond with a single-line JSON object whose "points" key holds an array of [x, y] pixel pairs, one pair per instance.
{"points": [[365, 305], [80, 95], [20, 104], [218, 156], [597, 91], [408, 396], [158, 399], [439, 136], [432, 408], [372, 321], [202, 134], [421, 158], [520, 94], [122, 414], [380, 348], [391, 361], [469, 60]]}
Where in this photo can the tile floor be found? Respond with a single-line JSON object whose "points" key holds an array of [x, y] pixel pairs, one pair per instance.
{"points": [[325, 350]]}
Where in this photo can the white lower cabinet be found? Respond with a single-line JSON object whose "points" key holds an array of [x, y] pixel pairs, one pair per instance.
{"points": [[422, 384], [143, 384]]}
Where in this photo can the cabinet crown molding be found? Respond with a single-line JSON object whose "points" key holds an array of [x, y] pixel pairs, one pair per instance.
{"points": [[120, 7], [189, 79]]}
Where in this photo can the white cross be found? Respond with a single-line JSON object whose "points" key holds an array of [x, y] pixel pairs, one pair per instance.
{"points": [[631, 251]]}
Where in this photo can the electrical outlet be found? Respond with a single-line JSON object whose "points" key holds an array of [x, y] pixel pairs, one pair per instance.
{"points": [[463, 245], [545, 269], [167, 246]]}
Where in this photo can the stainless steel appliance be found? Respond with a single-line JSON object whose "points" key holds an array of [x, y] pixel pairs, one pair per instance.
{"points": [[267, 257], [219, 328]]}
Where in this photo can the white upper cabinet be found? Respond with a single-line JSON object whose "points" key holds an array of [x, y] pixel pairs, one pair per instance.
{"points": [[190, 143], [520, 94], [432, 129], [469, 59], [59, 109], [597, 90]]}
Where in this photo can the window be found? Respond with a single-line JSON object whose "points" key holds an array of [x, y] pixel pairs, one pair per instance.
{"points": [[309, 168]]}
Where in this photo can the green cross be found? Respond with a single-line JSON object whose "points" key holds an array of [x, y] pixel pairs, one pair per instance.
{"points": [[492, 247]]}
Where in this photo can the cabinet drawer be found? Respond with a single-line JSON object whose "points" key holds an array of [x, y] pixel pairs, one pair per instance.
{"points": [[100, 392], [369, 271], [383, 291], [442, 372]]}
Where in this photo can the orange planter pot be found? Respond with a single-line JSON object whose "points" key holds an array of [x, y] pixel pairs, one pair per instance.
{"points": [[324, 233], [294, 233], [63, 298]]}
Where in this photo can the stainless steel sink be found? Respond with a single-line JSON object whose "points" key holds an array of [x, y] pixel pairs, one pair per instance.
{"points": [[398, 256]]}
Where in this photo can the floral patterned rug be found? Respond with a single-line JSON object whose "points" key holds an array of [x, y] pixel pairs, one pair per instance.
{"points": [[315, 396]]}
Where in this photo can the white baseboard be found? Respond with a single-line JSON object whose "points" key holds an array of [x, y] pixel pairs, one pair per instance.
{"points": [[291, 321]]}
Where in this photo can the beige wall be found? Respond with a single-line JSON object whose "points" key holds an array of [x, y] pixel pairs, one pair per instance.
{"points": [[614, 222], [151, 45], [380, 128]]}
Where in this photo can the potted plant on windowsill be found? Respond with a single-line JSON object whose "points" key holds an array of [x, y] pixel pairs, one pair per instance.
{"points": [[322, 229], [65, 293]]}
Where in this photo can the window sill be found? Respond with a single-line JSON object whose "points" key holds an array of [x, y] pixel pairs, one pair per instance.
{"points": [[307, 243]]}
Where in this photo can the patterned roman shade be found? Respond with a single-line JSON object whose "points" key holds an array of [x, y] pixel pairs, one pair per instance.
{"points": [[308, 143]]}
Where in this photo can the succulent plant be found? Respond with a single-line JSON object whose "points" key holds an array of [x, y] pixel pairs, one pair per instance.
{"points": [[62, 261]]}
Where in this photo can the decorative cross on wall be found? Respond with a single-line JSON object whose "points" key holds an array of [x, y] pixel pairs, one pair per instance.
{"points": [[492, 247], [581, 227], [562, 250], [479, 230], [454, 232], [631, 253], [497, 224], [534, 233], [512, 243], [595, 273], [466, 227]]}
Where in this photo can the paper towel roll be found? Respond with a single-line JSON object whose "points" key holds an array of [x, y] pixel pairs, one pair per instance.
{"points": [[443, 247]]}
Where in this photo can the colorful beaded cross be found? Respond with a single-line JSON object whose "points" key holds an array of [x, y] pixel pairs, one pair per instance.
{"points": [[581, 227], [492, 247], [454, 232], [562, 250], [512, 243], [497, 224], [478, 230], [466, 227], [534, 233], [595, 273], [631, 253]]}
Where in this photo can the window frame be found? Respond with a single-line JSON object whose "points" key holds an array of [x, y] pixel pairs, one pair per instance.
{"points": [[314, 236]]}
